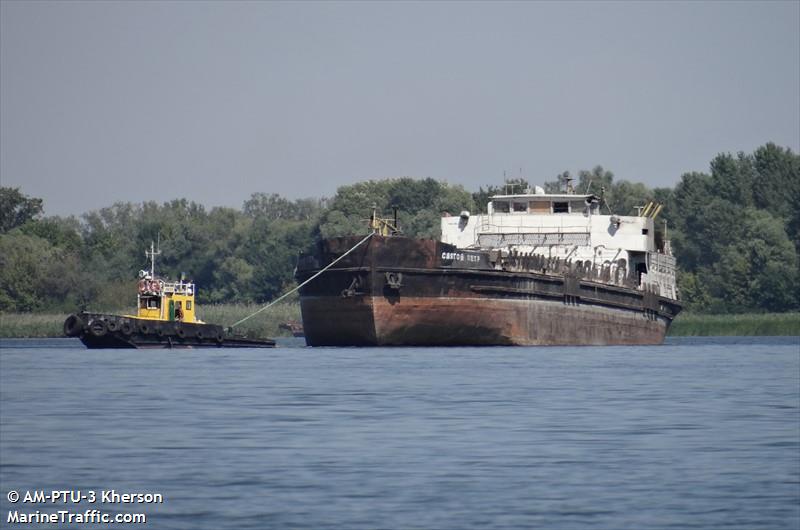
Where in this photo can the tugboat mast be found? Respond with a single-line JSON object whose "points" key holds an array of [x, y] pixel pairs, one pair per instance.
{"points": [[152, 253]]}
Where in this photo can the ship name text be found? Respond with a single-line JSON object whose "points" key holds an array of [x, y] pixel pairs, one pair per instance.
{"points": [[461, 256]]}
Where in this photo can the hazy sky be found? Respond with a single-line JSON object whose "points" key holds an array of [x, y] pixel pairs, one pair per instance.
{"points": [[130, 101]]}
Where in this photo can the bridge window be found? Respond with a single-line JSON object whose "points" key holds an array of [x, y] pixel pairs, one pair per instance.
{"points": [[520, 206], [560, 207], [500, 207], [150, 302]]}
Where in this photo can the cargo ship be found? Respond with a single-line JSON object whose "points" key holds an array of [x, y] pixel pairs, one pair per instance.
{"points": [[536, 269], [165, 318]]}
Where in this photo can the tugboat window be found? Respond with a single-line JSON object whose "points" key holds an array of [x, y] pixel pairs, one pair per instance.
{"points": [[501, 207], [150, 303], [520, 206], [560, 207]]}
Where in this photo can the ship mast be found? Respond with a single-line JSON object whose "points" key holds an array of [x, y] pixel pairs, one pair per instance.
{"points": [[152, 253]]}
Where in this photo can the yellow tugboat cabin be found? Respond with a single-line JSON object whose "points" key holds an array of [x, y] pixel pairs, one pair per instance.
{"points": [[163, 300]]}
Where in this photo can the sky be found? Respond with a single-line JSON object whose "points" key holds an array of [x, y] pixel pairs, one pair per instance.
{"points": [[132, 101]]}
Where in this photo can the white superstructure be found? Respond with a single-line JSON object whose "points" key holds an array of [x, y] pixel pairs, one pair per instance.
{"points": [[568, 227]]}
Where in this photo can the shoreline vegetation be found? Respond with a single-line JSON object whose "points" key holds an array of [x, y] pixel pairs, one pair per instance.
{"points": [[266, 324], [745, 324]]}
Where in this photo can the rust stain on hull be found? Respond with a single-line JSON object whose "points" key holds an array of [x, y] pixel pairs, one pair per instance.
{"points": [[396, 291], [474, 322]]}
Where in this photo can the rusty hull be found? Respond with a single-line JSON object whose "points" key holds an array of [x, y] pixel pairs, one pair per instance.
{"points": [[401, 291]]}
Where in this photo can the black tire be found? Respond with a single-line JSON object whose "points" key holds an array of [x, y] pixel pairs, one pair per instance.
{"points": [[144, 329], [220, 337], [180, 331], [200, 335], [126, 328], [113, 326], [98, 327], [160, 331], [73, 326]]}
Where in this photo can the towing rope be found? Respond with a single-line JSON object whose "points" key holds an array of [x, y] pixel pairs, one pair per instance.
{"points": [[331, 264]]}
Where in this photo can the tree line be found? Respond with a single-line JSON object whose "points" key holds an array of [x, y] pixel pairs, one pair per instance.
{"points": [[735, 231]]}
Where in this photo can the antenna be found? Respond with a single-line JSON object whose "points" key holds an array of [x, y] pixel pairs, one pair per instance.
{"points": [[604, 201], [152, 253]]}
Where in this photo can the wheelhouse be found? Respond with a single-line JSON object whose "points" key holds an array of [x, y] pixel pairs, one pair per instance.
{"points": [[160, 299]]}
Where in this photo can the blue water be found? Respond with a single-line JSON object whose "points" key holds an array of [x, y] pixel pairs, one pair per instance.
{"points": [[697, 433]]}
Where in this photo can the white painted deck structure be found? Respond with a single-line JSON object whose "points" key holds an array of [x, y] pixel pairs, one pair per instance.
{"points": [[569, 227]]}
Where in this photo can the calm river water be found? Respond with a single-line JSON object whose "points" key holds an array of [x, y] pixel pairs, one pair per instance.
{"points": [[697, 433]]}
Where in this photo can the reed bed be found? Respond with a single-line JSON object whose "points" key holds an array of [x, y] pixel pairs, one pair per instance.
{"points": [[264, 324], [746, 324], [31, 325]]}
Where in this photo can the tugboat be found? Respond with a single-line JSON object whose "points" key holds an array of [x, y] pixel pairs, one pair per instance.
{"points": [[165, 318]]}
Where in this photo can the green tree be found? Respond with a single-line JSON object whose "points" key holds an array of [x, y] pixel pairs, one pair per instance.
{"points": [[271, 249], [24, 264], [777, 186], [17, 209], [273, 206], [595, 181], [232, 280], [420, 204], [757, 271], [733, 232], [625, 196], [59, 231], [732, 178]]}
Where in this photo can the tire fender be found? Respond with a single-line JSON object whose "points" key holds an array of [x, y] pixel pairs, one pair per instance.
{"points": [[73, 326], [98, 327]]}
